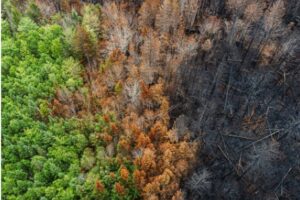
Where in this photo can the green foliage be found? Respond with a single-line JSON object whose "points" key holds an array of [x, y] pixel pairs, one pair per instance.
{"points": [[37, 154], [118, 87], [88, 159], [75, 70], [91, 20], [46, 157], [44, 109], [105, 65]]}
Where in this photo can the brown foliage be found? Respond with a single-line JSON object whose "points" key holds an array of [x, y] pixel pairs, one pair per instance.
{"points": [[83, 44], [69, 5]]}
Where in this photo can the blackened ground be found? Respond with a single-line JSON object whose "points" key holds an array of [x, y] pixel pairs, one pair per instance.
{"points": [[247, 116], [248, 121]]}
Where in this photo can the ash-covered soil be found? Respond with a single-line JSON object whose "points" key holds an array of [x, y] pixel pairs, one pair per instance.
{"points": [[245, 111]]}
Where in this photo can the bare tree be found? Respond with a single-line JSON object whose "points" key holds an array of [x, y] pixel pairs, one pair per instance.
{"points": [[133, 92], [119, 32], [148, 12], [189, 9], [273, 18], [254, 11], [150, 50], [168, 17], [262, 157]]}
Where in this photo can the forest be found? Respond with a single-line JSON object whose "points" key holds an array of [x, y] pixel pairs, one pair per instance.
{"points": [[150, 99]]}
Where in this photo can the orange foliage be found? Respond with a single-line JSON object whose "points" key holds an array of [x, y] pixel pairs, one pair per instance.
{"points": [[114, 128], [145, 91], [181, 167], [120, 189], [139, 177], [148, 160], [142, 141], [106, 137], [99, 186], [116, 56], [178, 196], [106, 118], [124, 173], [124, 144], [166, 177], [157, 90], [112, 175], [158, 131]]}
